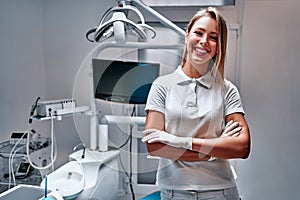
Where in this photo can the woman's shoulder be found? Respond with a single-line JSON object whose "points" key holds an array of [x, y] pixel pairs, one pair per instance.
{"points": [[231, 88], [167, 79], [229, 85]]}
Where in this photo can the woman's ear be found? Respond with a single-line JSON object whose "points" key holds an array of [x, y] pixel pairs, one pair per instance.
{"points": [[186, 37]]}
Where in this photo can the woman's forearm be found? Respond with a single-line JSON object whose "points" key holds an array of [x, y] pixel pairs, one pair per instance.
{"points": [[165, 151], [225, 148]]}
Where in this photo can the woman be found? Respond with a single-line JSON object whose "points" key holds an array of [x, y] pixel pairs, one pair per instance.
{"points": [[186, 114]]}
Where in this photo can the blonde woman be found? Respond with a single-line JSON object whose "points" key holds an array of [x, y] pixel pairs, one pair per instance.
{"points": [[195, 119]]}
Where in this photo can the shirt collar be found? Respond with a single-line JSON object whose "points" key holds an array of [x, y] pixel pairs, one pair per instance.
{"points": [[206, 80]]}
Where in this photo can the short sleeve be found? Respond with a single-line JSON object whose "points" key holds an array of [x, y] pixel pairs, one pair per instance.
{"points": [[233, 103], [156, 97]]}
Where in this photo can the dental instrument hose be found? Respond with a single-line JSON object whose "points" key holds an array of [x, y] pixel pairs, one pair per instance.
{"points": [[53, 147], [46, 189], [46, 186], [10, 160], [130, 163], [129, 176], [129, 141]]}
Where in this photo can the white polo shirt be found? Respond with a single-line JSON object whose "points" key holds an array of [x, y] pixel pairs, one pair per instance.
{"points": [[197, 108]]}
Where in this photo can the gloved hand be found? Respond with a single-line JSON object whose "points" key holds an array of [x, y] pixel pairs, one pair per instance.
{"points": [[232, 129], [154, 135]]}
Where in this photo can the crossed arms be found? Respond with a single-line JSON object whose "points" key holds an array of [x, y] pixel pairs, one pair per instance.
{"points": [[234, 145]]}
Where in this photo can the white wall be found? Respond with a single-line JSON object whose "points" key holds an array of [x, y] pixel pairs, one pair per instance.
{"points": [[22, 77], [270, 91]]}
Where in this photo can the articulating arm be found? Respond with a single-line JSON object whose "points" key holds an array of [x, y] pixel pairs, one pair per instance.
{"points": [[119, 23]]}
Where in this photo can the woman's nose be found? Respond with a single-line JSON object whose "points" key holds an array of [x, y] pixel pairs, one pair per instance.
{"points": [[203, 40]]}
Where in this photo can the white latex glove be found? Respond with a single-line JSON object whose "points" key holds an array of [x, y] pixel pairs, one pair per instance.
{"points": [[232, 129], [154, 135]]}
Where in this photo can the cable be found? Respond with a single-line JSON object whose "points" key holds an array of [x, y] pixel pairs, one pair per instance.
{"points": [[129, 140], [130, 154], [10, 167], [53, 147], [130, 164], [52, 141]]}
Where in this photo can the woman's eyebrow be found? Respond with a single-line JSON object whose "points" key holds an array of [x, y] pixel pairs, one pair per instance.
{"points": [[202, 29]]}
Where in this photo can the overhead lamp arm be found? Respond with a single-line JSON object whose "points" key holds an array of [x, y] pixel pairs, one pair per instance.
{"points": [[163, 20], [119, 22]]}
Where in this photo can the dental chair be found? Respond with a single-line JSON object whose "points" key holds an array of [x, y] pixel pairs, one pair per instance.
{"points": [[94, 176]]}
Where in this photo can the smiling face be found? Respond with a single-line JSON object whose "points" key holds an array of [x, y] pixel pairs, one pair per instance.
{"points": [[201, 43]]}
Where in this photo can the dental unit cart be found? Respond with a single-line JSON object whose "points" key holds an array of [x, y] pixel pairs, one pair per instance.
{"points": [[14, 162]]}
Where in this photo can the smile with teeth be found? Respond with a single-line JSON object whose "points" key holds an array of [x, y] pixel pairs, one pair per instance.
{"points": [[202, 51]]}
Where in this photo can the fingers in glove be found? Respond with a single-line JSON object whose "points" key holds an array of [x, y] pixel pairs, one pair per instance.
{"points": [[156, 139], [148, 131], [234, 133], [228, 123], [230, 127], [150, 136]]}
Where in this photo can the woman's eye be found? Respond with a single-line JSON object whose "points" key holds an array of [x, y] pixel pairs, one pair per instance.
{"points": [[214, 38], [198, 32]]}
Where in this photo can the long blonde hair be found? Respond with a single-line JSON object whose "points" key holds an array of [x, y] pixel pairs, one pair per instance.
{"points": [[219, 59]]}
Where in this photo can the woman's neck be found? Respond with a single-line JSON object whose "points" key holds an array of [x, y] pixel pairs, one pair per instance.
{"points": [[194, 72]]}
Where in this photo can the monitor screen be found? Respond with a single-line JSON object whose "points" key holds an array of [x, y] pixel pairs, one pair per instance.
{"points": [[123, 81]]}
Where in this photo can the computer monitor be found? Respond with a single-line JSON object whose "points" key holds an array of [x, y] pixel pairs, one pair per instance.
{"points": [[123, 81]]}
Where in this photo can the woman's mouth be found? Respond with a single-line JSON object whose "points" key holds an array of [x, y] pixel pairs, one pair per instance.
{"points": [[201, 51]]}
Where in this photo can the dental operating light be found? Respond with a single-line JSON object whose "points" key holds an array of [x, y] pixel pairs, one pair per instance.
{"points": [[119, 24]]}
